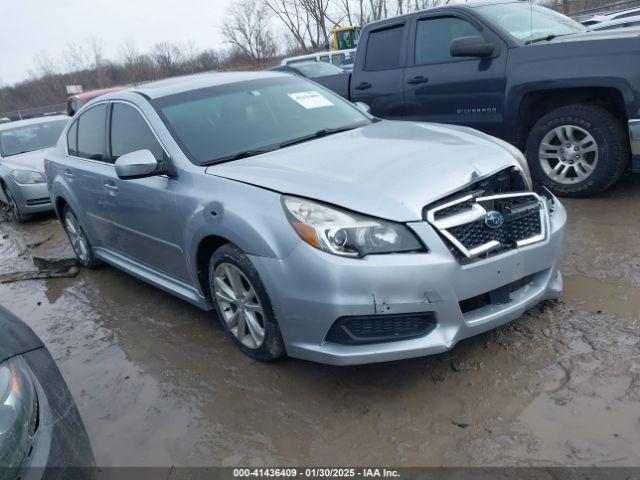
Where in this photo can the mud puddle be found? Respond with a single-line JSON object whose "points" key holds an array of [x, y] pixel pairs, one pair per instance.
{"points": [[158, 383]]}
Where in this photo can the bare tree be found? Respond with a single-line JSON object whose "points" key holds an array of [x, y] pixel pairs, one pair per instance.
{"points": [[247, 29]]}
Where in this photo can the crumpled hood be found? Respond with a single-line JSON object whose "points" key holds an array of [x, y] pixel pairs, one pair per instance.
{"points": [[389, 169], [27, 161]]}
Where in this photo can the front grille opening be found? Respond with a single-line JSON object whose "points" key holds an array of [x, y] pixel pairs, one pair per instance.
{"points": [[362, 330], [498, 296]]}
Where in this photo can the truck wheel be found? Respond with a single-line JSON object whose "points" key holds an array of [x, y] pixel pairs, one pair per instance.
{"points": [[242, 304], [577, 150]]}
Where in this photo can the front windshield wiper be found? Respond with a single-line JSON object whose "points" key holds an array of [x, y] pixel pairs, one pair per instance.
{"points": [[319, 134], [238, 156], [250, 153], [548, 38]]}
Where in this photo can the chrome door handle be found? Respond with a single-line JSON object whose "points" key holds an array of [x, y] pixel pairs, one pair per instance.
{"points": [[68, 173], [111, 188]]}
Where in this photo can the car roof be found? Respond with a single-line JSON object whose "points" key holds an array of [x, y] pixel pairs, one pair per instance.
{"points": [[171, 86], [467, 5], [616, 21], [32, 121]]}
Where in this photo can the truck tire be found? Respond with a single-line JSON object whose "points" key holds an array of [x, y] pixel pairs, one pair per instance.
{"points": [[577, 150]]}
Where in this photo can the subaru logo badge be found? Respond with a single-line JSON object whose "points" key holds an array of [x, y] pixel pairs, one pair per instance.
{"points": [[494, 219]]}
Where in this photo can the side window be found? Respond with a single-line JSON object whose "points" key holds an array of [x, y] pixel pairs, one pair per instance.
{"points": [[383, 49], [91, 133], [72, 139], [434, 37], [130, 133]]}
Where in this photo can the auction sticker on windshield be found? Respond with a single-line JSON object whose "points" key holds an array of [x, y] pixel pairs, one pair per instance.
{"points": [[311, 99]]}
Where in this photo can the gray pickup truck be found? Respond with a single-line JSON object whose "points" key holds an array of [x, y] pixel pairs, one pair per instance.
{"points": [[568, 97]]}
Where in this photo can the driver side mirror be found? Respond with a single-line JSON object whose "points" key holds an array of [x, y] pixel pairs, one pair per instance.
{"points": [[363, 107], [472, 47], [140, 163]]}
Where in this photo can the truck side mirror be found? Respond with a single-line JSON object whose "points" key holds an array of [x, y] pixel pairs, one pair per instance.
{"points": [[471, 47]]}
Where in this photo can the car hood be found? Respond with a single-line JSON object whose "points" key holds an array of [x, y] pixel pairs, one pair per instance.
{"points": [[27, 161], [389, 169], [17, 337]]}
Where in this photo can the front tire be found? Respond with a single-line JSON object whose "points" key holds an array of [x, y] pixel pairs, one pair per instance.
{"points": [[18, 216], [79, 240], [242, 304], [577, 150]]}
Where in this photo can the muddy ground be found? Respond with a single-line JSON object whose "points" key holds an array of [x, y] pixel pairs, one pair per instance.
{"points": [[158, 383]]}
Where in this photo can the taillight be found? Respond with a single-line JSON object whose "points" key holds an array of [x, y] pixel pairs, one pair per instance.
{"points": [[46, 165]]}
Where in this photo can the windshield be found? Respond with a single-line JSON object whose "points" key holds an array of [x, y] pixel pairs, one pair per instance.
{"points": [[530, 23], [18, 140], [317, 69], [215, 123], [348, 38]]}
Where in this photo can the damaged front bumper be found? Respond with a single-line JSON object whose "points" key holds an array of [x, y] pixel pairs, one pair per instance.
{"points": [[311, 290]]}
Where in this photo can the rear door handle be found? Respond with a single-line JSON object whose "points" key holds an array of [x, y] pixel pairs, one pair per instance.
{"points": [[363, 86], [68, 173], [417, 80]]}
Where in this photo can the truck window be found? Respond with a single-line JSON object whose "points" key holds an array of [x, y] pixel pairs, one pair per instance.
{"points": [[434, 37], [383, 48]]}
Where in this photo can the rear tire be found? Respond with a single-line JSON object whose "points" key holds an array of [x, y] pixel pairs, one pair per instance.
{"points": [[79, 240], [243, 305], [577, 150]]}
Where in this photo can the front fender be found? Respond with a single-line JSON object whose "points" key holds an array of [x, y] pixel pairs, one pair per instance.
{"points": [[250, 217]]}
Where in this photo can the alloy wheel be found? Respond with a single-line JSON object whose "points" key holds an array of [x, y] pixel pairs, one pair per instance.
{"points": [[76, 237], [568, 154], [239, 305], [13, 206]]}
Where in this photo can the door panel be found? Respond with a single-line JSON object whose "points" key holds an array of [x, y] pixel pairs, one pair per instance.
{"points": [[143, 211], [441, 88]]}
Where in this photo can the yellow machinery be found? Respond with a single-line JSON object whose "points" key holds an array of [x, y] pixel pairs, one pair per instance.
{"points": [[344, 38]]}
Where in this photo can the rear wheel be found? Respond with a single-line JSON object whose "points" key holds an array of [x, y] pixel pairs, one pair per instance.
{"points": [[242, 304], [577, 150], [78, 239]]}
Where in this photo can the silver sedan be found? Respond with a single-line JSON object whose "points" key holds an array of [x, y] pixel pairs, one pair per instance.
{"points": [[312, 228], [23, 145]]}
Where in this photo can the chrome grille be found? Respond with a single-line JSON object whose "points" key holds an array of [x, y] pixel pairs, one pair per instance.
{"points": [[464, 222]]}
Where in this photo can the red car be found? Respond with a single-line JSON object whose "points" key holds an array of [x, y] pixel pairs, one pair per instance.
{"points": [[75, 102]]}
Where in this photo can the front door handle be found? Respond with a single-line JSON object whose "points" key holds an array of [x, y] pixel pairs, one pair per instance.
{"points": [[417, 80], [363, 86], [111, 188]]}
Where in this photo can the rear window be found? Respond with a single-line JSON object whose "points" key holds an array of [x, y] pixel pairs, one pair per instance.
{"points": [[383, 48]]}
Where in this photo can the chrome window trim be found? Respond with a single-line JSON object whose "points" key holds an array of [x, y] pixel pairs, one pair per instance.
{"points": [[441, 225]]}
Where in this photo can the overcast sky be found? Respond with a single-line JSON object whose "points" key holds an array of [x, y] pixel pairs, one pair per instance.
{"points": [[28, 27]]}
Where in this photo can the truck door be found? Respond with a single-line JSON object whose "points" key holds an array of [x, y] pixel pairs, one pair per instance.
{"points": [[378, 74], [460, 90]]}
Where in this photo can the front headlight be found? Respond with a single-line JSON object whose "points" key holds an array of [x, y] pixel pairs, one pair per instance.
{"points": [[18, 412], [519, 156], [27, 177], [345, 233]]}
